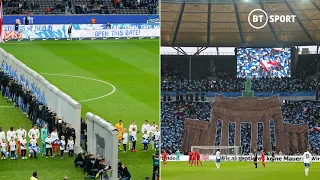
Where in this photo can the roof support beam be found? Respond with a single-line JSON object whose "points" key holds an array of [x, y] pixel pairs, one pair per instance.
{"points": [[209, 25], [315, 5], [270, 26], [178, 24], [299, 22], [239, 24], [200, 50], [180, 50]]}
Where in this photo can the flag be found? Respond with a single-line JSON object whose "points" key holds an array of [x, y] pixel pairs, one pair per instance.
{"points": [[305, 109], [266, 65], [1, 19], [316, 129]]}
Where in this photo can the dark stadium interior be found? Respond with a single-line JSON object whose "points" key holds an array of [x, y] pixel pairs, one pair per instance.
{"points": [[223, 23]]}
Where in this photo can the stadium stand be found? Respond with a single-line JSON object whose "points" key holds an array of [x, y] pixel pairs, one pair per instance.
{"points": [[80, 7], [174, 113], [172, 123]]}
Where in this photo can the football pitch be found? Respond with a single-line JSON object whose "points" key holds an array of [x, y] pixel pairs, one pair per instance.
{"points": [[115, 79], [239, 171]]}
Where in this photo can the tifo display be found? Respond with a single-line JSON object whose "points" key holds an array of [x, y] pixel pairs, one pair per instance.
{"points": [[263, 62]]}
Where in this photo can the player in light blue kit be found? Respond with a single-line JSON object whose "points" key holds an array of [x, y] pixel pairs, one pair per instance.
{"points": [[218, 158], [178, 155], [307, 160]]}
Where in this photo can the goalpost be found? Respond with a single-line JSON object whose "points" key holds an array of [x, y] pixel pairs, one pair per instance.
{"points": [[208, 152]]}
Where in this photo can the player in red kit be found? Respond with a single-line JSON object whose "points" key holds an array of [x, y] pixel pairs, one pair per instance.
{"points": [[164, 158], [194, 158], [263, 158], [197, 153], [190, 157]]}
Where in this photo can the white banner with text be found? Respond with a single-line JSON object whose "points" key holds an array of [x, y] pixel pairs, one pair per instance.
{"points": [[244, 158]]}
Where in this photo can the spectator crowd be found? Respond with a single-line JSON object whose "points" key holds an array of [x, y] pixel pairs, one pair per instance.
{"points": [[79, 7], [294, 112], [287, 84]]}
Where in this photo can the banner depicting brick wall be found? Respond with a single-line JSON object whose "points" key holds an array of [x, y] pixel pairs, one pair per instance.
{"points": [[252, 110]]}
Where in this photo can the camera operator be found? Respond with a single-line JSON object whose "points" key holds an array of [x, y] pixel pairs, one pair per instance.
{"points": [[89, 164], [103, 169], [125, 173], [96, 164], [34, 175], [156, 163], [108, 25]]}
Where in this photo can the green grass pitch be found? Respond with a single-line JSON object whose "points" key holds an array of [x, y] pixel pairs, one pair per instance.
{"points": [[239, 171], [131, 66]]}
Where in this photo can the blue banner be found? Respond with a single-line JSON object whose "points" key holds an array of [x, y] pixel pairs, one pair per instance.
{"points": [[258, 94], [153, 19], [50, 27], [81, 19], [60, 31]]}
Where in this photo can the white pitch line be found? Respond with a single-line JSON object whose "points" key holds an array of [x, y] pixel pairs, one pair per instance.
{"points": [[70, 42], [81, 77], [6, 106]]}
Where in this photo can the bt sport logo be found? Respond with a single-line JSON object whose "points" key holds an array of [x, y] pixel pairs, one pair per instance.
{"points": [[258, 18]]}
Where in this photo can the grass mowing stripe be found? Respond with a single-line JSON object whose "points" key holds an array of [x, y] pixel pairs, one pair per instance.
{"points": [[132, 53], [239, 171], [121, 73], [137, 95], [81, 77]]}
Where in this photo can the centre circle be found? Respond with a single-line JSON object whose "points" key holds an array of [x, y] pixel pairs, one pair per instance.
{"points": [[92, 79]]}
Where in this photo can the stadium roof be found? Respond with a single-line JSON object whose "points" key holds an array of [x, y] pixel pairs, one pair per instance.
{"points": [[224, 23]]}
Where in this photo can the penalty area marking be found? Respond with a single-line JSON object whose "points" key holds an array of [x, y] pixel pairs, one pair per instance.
{"points": [[81, 77]]}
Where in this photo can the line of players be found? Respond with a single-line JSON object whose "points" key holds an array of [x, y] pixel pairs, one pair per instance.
{"points": [[146, 130], [194, 157]]}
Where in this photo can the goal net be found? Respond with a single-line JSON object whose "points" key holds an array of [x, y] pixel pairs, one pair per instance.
{"points": [[208, 152]]}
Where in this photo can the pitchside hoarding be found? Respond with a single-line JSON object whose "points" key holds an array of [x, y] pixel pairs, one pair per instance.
{"points": [[81, 19], [245, 158], [60, 31]]}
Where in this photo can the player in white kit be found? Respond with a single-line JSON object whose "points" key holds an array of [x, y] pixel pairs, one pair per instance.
{"points": [[307, 160], [218, 159]]}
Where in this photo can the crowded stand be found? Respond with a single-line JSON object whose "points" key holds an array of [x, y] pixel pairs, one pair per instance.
{"points": [[219, 133], [260, 136], [287, 84], [293, 113], [81, 7], [273, 135], [175, 80], [232, 134], [245, 138], [300, 112]]}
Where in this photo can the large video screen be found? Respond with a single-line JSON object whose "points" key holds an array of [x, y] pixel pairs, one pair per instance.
{"points": [[263, 62]]}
